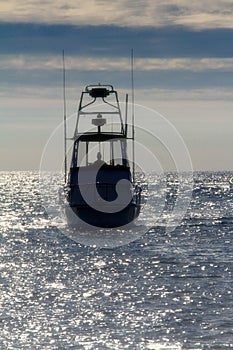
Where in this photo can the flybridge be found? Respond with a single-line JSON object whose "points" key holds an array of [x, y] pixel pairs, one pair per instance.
{"points": [[99, 106]]}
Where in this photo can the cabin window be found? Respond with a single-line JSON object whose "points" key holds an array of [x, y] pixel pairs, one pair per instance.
{"points": [[93, 150], [81, 156], [109, 152], [117, 152]]}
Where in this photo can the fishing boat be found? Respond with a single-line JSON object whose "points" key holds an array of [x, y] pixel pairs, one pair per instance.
{"points": [[101, 187]]}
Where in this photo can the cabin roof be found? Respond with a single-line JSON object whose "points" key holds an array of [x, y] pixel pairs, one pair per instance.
{"points": [[98, 137]]}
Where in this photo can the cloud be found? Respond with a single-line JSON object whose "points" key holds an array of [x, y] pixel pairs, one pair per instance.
{"points": [[194, 14], [199, 14], [85, 63], [155, 96]]}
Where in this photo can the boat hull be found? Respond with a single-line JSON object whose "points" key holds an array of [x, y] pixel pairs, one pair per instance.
{"points": [[82, 216]]}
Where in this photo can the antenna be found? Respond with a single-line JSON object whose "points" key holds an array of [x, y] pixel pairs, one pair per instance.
{"points": [[64, 106], [133, 117]]}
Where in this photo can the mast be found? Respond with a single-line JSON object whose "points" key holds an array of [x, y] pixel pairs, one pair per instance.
{"points": [[133, 131], [64, 106]]}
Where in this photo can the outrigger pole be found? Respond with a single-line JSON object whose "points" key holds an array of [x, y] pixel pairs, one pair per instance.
{"points": [[133, 131], [64, 106]]}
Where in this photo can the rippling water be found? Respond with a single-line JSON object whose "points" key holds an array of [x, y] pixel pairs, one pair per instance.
{"points": [[165, 290]]}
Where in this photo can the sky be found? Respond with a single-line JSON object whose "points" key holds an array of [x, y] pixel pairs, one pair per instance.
{"points": [[183, 63]]}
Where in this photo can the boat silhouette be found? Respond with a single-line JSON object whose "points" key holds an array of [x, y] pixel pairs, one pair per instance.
{"points": [[101, 186]]}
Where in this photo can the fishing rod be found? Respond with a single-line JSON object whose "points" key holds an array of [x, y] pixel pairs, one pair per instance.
{"points": [[64, 120]]}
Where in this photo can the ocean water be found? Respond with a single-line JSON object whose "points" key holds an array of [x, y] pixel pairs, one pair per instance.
{"points": [[163, 290]]}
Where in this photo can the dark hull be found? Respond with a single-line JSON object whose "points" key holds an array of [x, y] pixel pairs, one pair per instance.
{"points": [[89, 216], [101, 199]]}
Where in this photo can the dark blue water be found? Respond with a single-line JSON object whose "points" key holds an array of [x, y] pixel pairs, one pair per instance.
{"points": [[165, 290]]}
